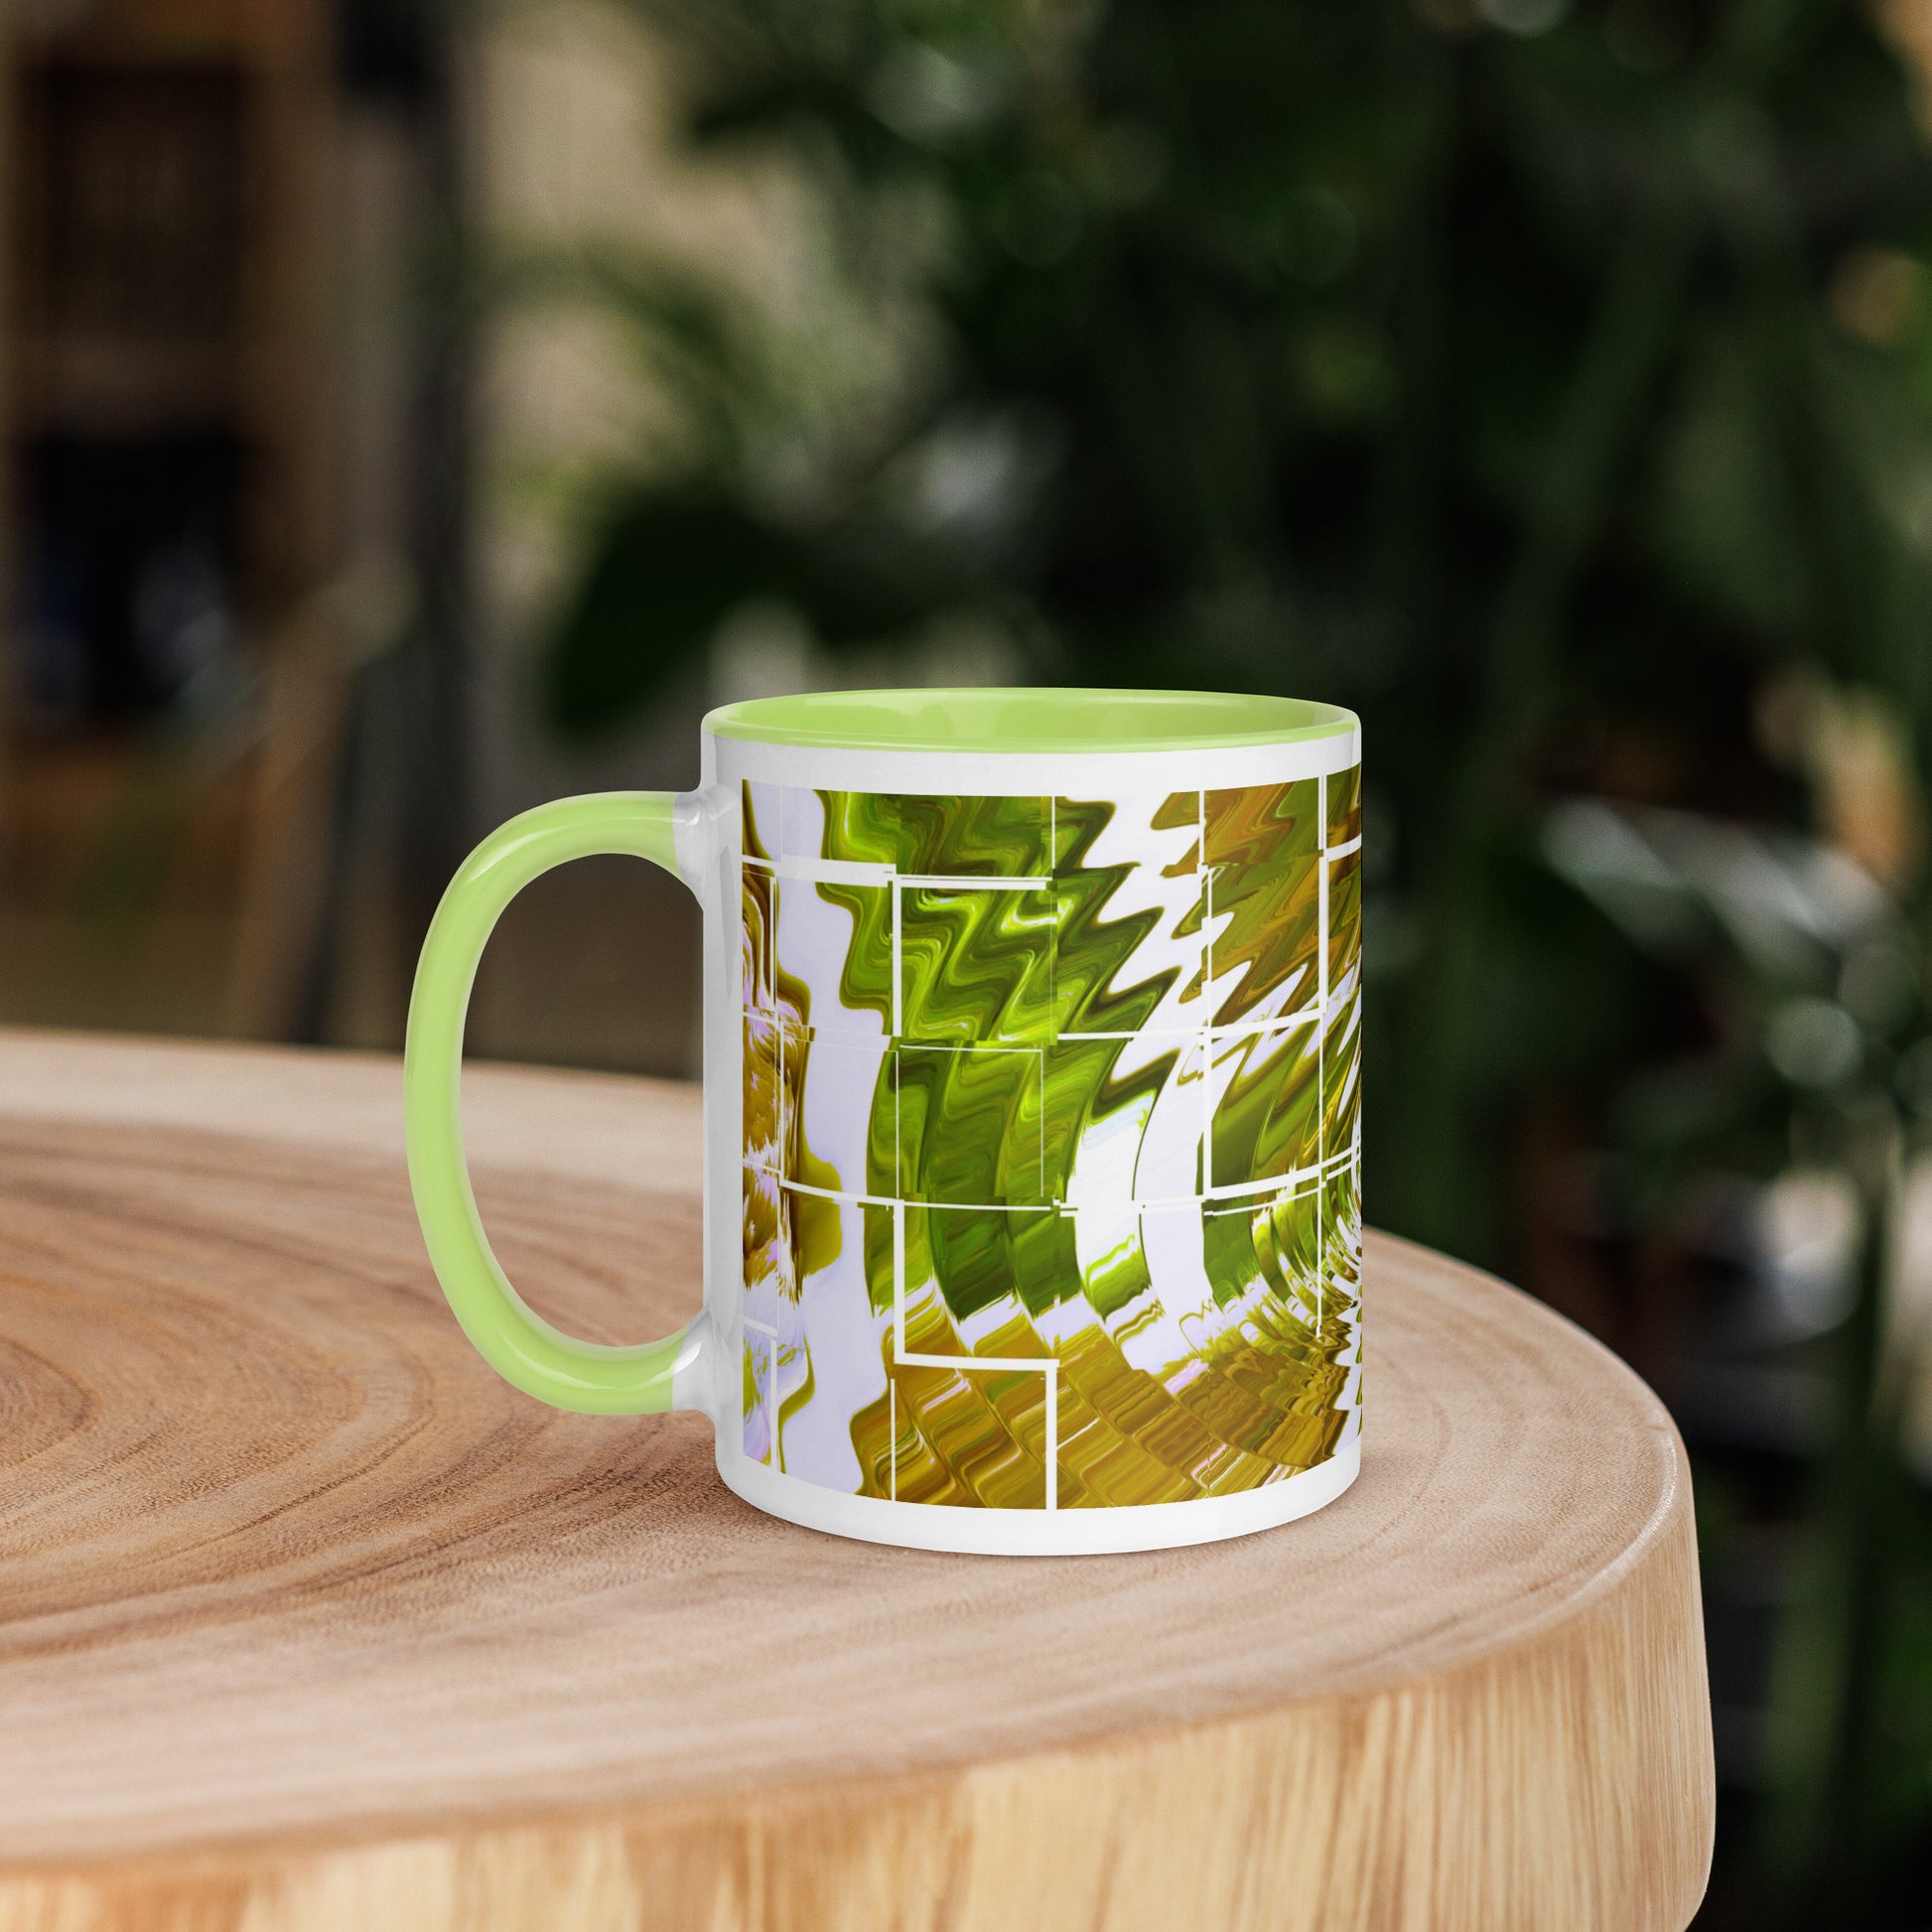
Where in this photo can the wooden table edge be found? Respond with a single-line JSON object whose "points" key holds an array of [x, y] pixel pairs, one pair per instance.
{"points": [[750, 1841], [757, 1834]]}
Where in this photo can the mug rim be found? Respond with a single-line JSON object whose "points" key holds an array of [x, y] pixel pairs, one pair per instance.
{"points": [[1028, 718]]}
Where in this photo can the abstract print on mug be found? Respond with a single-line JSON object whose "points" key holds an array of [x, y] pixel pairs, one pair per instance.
{"points": [[1053, 1160]]}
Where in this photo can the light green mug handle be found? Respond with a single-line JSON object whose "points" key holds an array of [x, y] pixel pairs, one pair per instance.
{"points": [[513, 1339]]}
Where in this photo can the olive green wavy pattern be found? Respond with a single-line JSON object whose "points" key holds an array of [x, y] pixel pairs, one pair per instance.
{"points": [[1153, 961]]}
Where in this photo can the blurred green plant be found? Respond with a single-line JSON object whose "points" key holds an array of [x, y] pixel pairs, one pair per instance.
{"points": [[1548, 381], [1824, 1067]]}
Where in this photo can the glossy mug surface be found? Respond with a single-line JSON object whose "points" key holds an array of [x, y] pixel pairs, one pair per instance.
{"points": [[1032, 1112]]}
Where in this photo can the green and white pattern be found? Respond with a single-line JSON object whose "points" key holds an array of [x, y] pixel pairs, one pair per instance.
{"points": [[1051, 1155]]}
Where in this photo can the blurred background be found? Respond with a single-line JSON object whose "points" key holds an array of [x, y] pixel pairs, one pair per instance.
{"points": [[411, 411]]}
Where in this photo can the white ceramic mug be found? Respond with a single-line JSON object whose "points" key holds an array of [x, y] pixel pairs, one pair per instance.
{"points": [[1032, 1112]]}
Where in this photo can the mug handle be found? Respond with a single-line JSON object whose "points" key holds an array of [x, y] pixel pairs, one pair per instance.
{"points": [[523, 1347]]}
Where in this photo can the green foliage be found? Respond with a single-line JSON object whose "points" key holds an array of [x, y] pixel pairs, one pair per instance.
{"points": [[668, 567], [1487, 380]]}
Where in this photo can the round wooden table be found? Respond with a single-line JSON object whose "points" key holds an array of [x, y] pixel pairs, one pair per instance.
{"points": [[307, 1620]]}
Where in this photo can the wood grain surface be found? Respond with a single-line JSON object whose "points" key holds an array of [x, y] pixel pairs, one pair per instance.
{"points": [[307, 1621]]}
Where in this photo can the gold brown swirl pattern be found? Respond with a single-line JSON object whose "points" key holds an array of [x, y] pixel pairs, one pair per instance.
{"points": [[1052, 1153]]}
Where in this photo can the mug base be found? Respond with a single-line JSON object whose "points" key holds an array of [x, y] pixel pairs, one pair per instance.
{"points": [[1044, 1532]]}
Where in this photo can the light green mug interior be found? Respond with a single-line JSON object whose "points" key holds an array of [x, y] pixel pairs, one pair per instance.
{"points": [[1044, 718]]}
